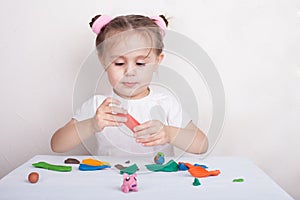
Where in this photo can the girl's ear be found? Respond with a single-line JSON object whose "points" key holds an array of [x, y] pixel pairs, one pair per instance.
{"points": [[160, 58], [101, 60]]}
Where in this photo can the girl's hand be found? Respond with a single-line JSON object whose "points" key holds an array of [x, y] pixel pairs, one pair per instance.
{"points": [[106, 115], [151, 133]]}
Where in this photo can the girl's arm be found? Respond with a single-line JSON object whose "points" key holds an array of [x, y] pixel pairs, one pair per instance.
{"points": [[71, 135], [74, 132], [190, 138]]}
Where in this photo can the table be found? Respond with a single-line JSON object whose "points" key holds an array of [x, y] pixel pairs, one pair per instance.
{"points": [[105, 184]]}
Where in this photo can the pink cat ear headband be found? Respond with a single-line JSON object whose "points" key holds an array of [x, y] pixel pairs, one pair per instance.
{"points": [[105, 19]]}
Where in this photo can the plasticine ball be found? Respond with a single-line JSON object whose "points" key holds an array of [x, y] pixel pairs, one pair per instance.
{"points": [[159, 158], [33, 177]]}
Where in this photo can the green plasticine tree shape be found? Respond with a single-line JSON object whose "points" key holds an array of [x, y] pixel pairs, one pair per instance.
{"points": [[171, 166], [196, 182], [129, 170], [59, 168]]}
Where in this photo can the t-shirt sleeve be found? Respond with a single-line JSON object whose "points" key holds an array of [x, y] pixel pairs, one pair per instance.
{"points": [[176, 115], [87, 110]]}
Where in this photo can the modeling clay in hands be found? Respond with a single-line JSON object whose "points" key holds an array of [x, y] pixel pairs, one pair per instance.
{"points": [[131, 122], [129, 183]]}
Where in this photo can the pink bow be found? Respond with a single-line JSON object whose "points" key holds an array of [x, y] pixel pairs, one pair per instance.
{"points": [[100, 23], [160, 22]]}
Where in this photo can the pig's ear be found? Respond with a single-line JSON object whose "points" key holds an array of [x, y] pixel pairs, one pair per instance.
{"points": [[125, 175], [134, 175]]}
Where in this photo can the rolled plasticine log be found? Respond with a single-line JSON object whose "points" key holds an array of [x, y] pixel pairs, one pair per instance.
{"points": [[59, 168], [131, 122]]}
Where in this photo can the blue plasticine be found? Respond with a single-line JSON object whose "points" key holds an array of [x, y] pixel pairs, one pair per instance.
{"points": [[84, 167], [182, 167], [203, 166]]}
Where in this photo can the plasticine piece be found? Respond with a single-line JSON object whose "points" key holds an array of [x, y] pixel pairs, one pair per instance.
{"points": [[131, 122], [204, 166], [238, 180], [127, 162], [159, 158], [84, 167], [59, 168], [171, 166], [199, 172], [129, 170], [119, 166], [33, 177], [93, 162], [72, 161], [182, 166], [196, 182], [129, 183]]}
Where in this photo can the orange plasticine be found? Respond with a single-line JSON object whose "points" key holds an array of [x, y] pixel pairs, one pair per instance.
{"points": [[199, 172], [93, 162]]}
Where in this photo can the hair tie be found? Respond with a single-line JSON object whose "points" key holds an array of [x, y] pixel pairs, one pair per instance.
{"points": [[160, 23], [100, 22]]}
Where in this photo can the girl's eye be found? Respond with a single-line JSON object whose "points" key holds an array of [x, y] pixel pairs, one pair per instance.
{"points": [[119, 64], [140, 64]]}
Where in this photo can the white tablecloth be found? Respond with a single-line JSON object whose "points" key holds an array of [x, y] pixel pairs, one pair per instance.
{"points": [[105, 184]]}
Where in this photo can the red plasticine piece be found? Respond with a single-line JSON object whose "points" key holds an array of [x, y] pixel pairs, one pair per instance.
{"points": [[131, 122], [199, 172]]}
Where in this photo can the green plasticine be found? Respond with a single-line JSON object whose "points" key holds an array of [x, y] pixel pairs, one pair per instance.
{"points": [[196, 182], [171, 166], [129, 170], [59, 168], [238, 180]]}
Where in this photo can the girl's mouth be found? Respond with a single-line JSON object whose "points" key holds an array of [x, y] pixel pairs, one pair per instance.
{"points": [[130, 84]]}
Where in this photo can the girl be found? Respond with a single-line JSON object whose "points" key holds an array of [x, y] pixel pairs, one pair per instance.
{"points": [[130, 49]]}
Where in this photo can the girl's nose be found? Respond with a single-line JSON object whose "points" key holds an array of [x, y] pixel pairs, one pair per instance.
{"points": [[130, 70]]}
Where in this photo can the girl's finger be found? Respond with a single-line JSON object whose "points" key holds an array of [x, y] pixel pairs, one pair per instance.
{"points": [[148, 139], [153, 141], [143, 126], [110, 100], [111, 123], [115, 118], [148, 131], [114, 110]]}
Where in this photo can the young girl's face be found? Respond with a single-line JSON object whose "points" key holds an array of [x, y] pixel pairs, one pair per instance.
{"points": [[130, 64]]}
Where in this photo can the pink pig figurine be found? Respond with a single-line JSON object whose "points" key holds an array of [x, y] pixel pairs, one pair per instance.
{"points": [[129, 183]]}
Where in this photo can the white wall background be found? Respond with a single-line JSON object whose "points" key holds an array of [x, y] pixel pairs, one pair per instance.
{"points": [[255, 46]]}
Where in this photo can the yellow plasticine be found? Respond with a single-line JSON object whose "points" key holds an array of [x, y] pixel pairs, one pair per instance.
{"points": [[93, 162]]}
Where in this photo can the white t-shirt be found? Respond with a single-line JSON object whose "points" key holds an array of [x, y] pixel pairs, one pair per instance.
{"points": [[119, 141]]}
